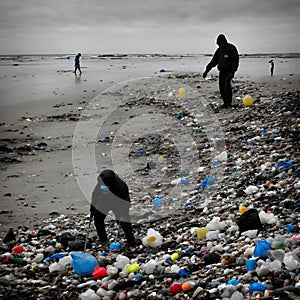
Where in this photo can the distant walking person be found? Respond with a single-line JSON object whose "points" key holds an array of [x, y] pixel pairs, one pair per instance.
{"points": [[77, 63], [226, 58], [272, 66]]}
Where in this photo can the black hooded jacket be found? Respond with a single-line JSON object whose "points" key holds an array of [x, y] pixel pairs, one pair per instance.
{"points": [[226, 57], [116, 199]]}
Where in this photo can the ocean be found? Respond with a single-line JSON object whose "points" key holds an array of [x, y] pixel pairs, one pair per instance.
{"points": [[25, 78]]}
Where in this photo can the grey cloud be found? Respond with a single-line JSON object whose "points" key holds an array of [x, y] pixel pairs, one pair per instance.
{"points": [[195, 19], [92, 12]]}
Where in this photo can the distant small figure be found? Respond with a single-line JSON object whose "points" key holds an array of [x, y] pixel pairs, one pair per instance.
{"points": [[77, 63], [272, 66]]}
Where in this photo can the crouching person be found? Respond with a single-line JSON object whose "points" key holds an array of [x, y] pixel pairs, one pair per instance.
{"points": [[111, 193]]}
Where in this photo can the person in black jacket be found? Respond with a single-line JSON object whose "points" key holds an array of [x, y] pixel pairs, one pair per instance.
{"points": [[77, 63], [226, 58], [272, 66], [111, 193]]}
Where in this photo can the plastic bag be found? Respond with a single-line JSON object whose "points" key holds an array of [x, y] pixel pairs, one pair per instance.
{"points": [[222, 156], [266, 218], [150, 266], [216, 224], [121, 261], [249, 220], [83, 263], [251, 189], [291, 261], [261, 248], [257, 286], [207, 181], [153, 238]]}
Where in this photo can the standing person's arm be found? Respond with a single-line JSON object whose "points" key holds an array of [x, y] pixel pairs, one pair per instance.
{"points": [[214, 62], [234, 58]]}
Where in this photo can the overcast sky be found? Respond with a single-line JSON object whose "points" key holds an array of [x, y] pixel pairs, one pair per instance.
{"points": [[147, 26]]}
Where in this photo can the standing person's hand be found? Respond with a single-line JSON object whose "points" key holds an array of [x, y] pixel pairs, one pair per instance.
{"points": [[205, 74]]}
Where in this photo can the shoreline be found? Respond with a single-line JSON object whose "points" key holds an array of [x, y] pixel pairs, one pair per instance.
{"points": [[71, 99]]}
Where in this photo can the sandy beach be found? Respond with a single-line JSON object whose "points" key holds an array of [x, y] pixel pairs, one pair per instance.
{"points": [[36, 167], [127, 117]]}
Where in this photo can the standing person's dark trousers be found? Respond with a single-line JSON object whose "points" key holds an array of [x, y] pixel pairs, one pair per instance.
{"points": [[225, 88]]}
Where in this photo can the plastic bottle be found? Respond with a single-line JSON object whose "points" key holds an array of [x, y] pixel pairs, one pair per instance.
{"points": [[202, 232], [150, 266], [83, 263], [132, 268], [54, 256], [175, 288], [111, 271], [38, 258], [56, 267], [174, 256], [183, 273], [18, 249], [181, 93], [18, 260], [121, 261], [188, 285], [174, 268]]}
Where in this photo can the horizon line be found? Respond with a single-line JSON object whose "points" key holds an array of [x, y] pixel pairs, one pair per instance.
{"points": [[145, 53]]}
